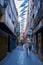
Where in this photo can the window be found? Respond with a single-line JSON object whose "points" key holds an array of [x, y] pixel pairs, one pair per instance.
{"points": [[33, 16], [33, 7], [5, 3], [13, 22], [32, 0], [42, 5]]}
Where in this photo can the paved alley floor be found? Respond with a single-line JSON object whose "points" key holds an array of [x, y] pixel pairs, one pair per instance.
{"points": [[19, 57]]}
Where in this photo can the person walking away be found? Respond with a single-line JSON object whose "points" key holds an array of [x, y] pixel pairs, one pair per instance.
{"points": [[26, 45], [30, 46]]}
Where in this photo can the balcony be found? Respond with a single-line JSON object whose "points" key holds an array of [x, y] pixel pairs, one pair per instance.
{"points": [[38, 17]]}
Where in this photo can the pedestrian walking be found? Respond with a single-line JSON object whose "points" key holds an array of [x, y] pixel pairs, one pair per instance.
{"points": [[26, 45], [30, 46]]}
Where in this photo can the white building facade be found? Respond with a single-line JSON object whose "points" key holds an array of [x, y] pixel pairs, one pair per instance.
{"points": [[10, 14], [30, 16]]}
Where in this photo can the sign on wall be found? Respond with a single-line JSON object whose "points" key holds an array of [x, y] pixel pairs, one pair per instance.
{"points": [[29, 32]]}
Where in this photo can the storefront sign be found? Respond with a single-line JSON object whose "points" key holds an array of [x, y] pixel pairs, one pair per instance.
{"points": [[29, 32]]}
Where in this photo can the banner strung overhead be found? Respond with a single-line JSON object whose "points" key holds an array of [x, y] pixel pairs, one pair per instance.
{"points": [[24, 8], [24, 3], [23, 13]]}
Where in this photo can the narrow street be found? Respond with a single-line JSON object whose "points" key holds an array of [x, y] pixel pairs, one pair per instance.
{"points": [[19, 57], [21, 32]]}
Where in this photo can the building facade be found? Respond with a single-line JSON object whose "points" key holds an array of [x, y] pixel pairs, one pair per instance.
{"points": [[8, 23], [38, 27], [30, 17]]}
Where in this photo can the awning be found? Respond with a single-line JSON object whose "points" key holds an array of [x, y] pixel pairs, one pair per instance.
{"points": [[4, 28]]}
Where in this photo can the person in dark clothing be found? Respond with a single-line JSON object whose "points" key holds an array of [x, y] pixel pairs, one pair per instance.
{"points": [[30, 46]]}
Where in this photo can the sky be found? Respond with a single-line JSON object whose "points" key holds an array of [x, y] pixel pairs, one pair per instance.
{"points": [[18, 4]]}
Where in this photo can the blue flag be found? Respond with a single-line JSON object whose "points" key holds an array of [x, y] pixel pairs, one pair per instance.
{"points": [[23, 9], [22, 17], [24, 3], [23, 13]]}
